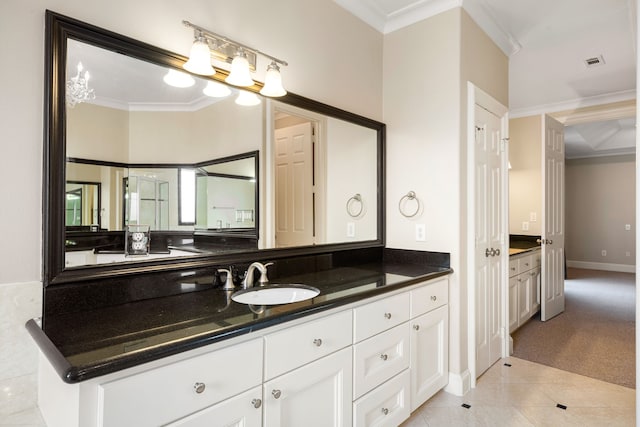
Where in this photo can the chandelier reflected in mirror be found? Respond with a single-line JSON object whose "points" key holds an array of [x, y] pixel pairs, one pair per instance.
{"points": [[78, 88]]}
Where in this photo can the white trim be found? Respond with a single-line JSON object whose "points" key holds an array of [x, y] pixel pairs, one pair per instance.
{"points": [[459, 384], [623, 268], [483, 15], [477, 96], [573, 104]]}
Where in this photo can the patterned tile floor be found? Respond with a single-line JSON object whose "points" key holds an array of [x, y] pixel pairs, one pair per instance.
{"points": [[527, 394]]}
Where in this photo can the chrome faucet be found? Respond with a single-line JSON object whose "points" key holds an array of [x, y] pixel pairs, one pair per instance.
{"points": [[248, 276]]}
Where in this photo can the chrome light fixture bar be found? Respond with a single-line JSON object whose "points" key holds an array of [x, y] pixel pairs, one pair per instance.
{"points": [[243, 59]]}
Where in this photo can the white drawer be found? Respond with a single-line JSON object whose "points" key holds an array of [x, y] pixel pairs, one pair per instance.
{"points": [[166, 393], [290, 348], [242, 410], [380, 315], [513, 267], [525, 263], [387, 405], [379, 358], [429, 297], [537, 259]]}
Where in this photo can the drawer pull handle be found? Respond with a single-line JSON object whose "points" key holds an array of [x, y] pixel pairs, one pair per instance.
{"points": [[384, 356], [276, 393], [317, 342], [416, 327], [199, 387], [387, 315], [433, 298], [385, 411], [256, 403]]}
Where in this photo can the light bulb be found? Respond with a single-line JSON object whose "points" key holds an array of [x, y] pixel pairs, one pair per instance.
{"points": [[273, 81], [216, 90], [240, 74], [200, 58]]}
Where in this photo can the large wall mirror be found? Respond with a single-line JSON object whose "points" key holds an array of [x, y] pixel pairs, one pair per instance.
{"points": [[213, 171]]}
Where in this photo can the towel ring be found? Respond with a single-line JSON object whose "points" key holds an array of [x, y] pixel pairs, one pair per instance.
{"points": [[411, 195], [356, 198]]}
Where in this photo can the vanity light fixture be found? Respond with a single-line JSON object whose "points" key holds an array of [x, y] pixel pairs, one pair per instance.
{"points": [[78, 88], [243, 60], [200, 57], [178, 79], [216, 90], [247, 99]]}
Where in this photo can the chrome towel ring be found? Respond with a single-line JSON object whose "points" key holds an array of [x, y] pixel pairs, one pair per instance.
{"points": [[402, 204], [355, 199]]}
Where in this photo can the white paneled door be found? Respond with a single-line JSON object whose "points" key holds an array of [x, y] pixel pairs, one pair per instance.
{"points": [[489, 233], [294, 186], [552, 287]]}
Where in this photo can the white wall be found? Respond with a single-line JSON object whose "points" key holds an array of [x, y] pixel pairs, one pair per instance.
{"points": [[317, 39]]}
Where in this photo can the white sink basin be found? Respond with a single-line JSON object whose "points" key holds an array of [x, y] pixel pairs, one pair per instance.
{"points": [[275, 294]]}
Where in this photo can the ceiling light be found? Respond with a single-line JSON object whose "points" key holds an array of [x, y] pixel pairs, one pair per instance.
{"points": [[78, 88], [242, 58], [240, 74], [216, 90], [247, 99], [273, 81], [178, 79], [200, 58]]}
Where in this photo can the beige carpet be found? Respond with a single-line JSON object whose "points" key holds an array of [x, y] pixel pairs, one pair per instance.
{"points": [[595, 336]]}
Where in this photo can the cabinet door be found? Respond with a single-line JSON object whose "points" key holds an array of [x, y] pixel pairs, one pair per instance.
{"points": [[429, 360], [386, 405], [524, 298], [513, 304], [535, 289], [243, 410], [317, 394]]}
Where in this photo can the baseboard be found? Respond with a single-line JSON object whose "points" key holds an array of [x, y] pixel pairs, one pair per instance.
{"points": [[623, 268], [459, 384]]}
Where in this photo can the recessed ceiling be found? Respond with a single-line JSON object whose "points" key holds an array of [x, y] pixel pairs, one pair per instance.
{"points": [[603, 138]]}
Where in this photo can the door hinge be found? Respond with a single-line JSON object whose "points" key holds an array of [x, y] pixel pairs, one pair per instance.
{"points": [[503, 143]]}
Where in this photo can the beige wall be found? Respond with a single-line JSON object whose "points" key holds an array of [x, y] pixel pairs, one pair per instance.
{"points": [[426, 68], [600, 201], [334, 58], [525, 175]]}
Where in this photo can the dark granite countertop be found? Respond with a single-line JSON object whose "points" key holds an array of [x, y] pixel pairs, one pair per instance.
{"points": [[88, 344]]}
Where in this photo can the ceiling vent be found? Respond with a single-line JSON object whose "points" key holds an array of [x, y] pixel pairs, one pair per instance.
{"points": [[594, 61]]}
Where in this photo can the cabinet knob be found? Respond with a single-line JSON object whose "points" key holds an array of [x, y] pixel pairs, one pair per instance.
{"points": [[384, 356], [416, 327], [385, 411], [387, 315], [199, 387], [317, 342], [256, 403], [433, 297], [276, 393]]}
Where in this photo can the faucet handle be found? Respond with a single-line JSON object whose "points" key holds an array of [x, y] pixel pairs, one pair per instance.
{"points": [[227, 282]]}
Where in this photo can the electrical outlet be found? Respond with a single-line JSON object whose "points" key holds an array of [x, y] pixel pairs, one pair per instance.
{"points": [[628, 253], [351, 229], [627, 227], [533, 217], [525, 226], [421, 233], [604, 252]]}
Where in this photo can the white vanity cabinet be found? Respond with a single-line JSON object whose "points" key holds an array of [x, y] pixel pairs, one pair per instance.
{"points": [[165, 394], [524, 288], [308, 373], [368, 363], [429, 359]]}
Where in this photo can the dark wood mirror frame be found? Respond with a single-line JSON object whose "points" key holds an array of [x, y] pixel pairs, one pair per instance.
{"points": [[59, 28]]}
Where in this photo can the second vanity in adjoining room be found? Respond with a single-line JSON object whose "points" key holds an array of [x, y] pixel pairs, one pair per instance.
{"points": [[524, 279], [143, 318]]}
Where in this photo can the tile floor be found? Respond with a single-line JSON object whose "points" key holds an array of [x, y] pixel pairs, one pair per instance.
{"points": [[526, 394]]}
